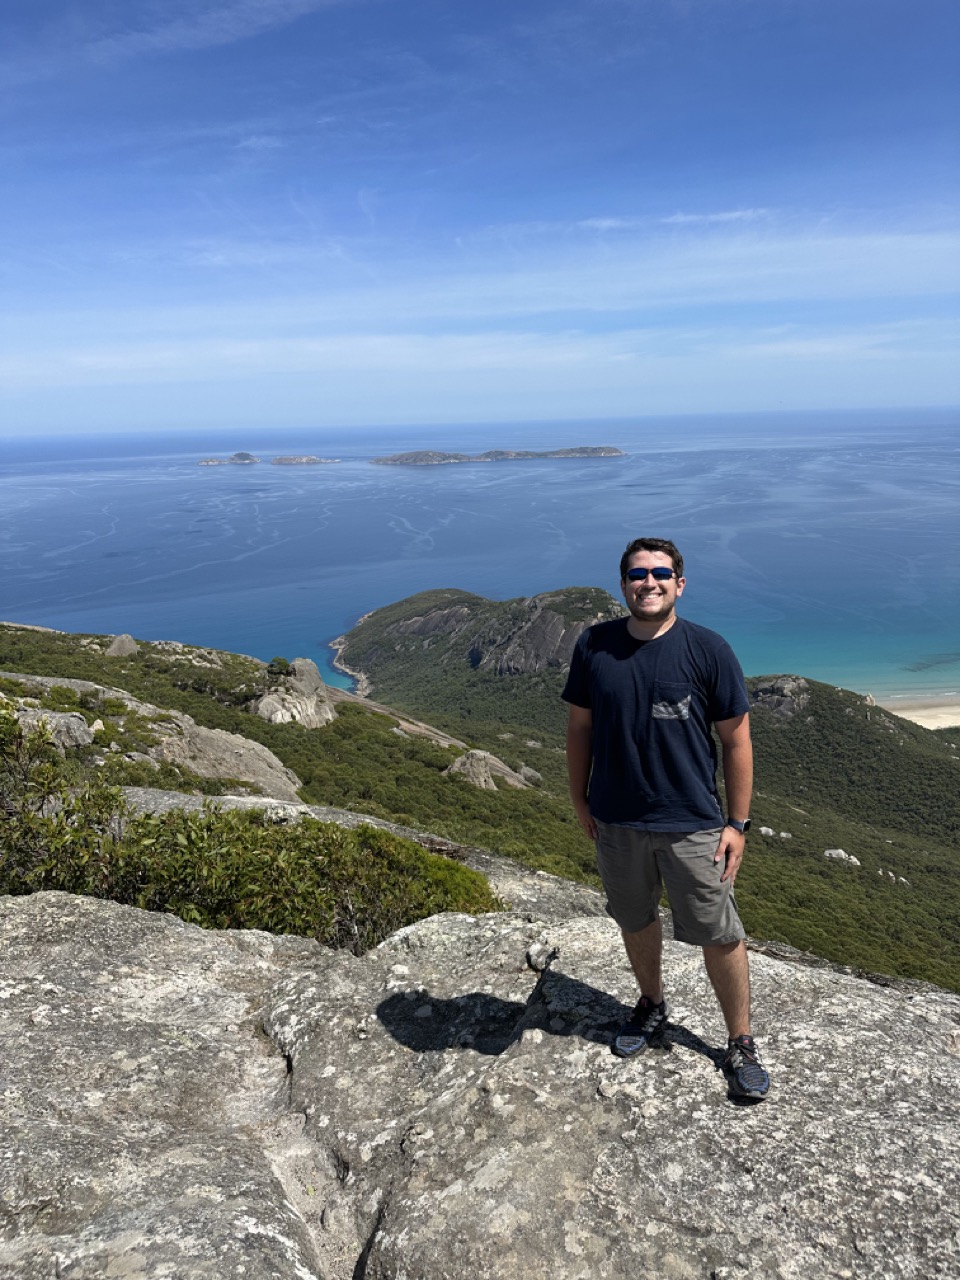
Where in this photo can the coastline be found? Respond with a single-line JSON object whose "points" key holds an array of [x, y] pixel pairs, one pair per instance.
{"points": [[362, 685], [933, 711]]}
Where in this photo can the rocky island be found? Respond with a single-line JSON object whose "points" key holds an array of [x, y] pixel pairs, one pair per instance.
{"points": [[301, 460], [434, 458], [235, 459]]}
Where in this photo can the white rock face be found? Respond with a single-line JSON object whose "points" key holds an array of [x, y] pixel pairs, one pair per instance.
{"points": [[300, 697], [122, 647], [484, 770], [66, 728], [840, 856]]}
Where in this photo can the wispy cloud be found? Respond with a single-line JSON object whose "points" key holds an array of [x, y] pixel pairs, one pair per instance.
{"points": [[531, 353], [169, 27], [725, 215], [345, 378]]}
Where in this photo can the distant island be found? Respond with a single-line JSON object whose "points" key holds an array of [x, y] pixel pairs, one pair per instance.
{"points": [[245, 459], [235, 459], [432, 458], [422, 457], [302, 460]]}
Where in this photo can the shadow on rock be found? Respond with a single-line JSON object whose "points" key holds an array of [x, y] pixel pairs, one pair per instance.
{"points": [[487, 1024]]}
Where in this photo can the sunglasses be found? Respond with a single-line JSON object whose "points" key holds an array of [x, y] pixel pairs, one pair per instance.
{"points": [[660, 574]]}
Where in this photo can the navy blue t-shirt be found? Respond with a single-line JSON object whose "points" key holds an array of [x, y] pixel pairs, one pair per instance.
{"points": [[653, 702]]}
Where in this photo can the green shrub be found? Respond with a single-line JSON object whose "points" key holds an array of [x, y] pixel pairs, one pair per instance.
{"points": [[346, 888]]}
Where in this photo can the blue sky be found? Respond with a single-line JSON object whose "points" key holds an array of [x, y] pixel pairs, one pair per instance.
{"points": [[336, 212]]}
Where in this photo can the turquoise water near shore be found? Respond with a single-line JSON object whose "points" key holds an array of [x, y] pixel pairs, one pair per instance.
{"points": [[821, 544]]}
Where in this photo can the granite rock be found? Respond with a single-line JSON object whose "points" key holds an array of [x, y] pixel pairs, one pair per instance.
{"points": [[182, 1103], [122, 647], [299, 697], [484, 770], [66, 728]]}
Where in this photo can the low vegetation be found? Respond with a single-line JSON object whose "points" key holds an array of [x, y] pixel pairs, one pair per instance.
{"points": [[221, 870]]}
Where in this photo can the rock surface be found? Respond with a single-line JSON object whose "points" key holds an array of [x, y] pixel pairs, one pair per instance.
{"points": [[484, 770], [182, 1103], [783, 696], [122, 647], [300, 697], [66, 728]]}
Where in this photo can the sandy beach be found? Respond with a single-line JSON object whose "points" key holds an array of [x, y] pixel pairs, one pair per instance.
{"points": [[935, 712]]}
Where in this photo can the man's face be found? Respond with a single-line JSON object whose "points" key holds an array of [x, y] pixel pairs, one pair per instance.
{"points": [[650, 600]]}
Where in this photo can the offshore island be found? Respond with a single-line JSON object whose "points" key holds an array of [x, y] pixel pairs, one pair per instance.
{"points": [[433, 458], [246, 459]]}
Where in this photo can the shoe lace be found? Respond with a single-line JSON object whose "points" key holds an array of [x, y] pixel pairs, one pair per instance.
{"points": [[647, 1014], [744, 1054]]}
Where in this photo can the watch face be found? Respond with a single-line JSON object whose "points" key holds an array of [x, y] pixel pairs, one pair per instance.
{"points": [[745, 826]]}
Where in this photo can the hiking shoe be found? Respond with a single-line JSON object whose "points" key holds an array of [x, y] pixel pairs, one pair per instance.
{"points": [[644, 1027], [744, 1070]]}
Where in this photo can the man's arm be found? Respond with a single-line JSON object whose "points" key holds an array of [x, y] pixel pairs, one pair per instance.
{"points": [[579, 761], [737, 752]]}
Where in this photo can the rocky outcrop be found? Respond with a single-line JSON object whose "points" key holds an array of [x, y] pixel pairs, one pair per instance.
{"points": [[211, 753], [782, 696], [536, 636], [215, 753], [438, 622], [121, 647], [185, 1103], [300, 696], [484, 770], [66, 728], [540, 638]]}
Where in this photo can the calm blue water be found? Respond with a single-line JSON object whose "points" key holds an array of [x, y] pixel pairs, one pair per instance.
{"points": [[819, 544]]}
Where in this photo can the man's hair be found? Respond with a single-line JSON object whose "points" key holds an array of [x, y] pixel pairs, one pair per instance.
{"points": [[652, 544]]}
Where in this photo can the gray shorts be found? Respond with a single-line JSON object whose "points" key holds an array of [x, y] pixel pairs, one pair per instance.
{"points": [[635, 867]]}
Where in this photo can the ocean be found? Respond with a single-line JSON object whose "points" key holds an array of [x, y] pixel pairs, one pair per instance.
{"points": [[819, 544]]}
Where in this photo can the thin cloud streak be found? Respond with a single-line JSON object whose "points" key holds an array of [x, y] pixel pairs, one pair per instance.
{"points": [[646, 278], [187, 31], [727, 215], [529, 353]]}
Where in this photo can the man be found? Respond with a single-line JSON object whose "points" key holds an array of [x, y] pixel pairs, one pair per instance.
{"points": [[643, 692]]}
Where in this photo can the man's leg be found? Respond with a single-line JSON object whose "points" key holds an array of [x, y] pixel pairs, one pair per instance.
{"points": [[645, 951], [729, 972]]}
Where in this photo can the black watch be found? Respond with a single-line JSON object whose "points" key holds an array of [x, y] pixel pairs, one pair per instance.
{"points": [[743, 827]]}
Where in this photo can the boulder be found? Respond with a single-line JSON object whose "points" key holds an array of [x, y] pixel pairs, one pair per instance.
{"points": [[122, 647], [66, 728], [484, 770], [197, 1104], [840, 855], [301, 696]]}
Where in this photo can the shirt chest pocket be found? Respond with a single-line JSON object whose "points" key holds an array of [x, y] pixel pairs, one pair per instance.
{"points": [[671, 701]]}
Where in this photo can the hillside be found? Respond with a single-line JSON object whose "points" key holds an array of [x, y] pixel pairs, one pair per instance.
{"points": [[834, 772]]}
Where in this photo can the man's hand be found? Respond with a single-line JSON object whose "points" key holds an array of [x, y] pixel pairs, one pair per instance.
{"points": [[730, 849], [585, 818]]}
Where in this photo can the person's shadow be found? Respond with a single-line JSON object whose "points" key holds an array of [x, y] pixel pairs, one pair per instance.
{"points": [[484, 1023]]}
